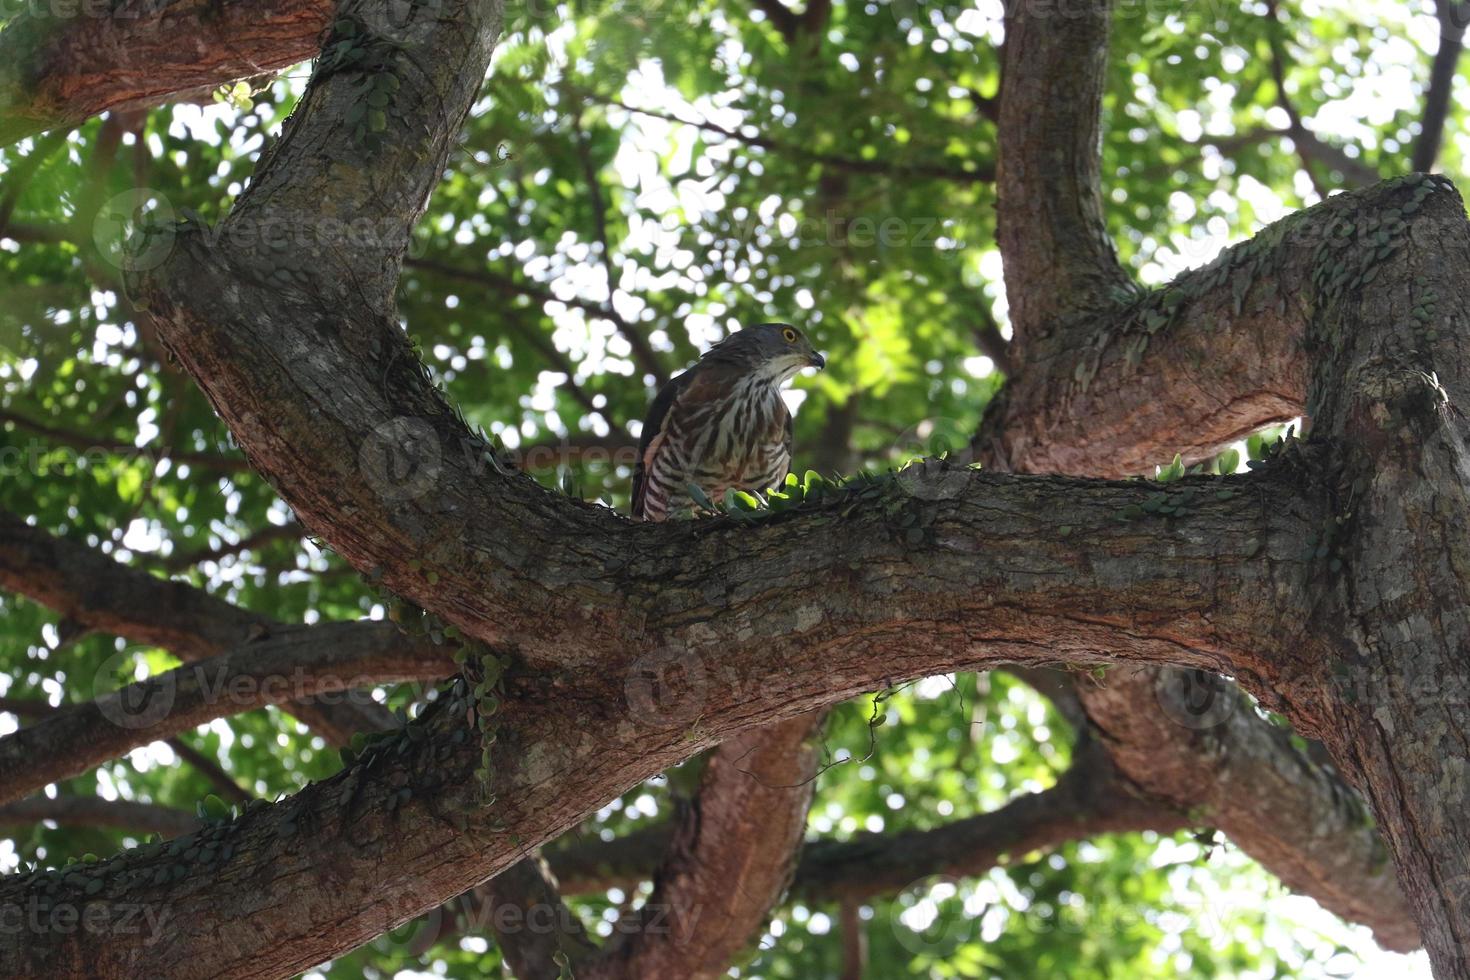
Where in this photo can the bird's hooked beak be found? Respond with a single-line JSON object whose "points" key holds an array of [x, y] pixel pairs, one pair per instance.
{"points": [[817, 361]]}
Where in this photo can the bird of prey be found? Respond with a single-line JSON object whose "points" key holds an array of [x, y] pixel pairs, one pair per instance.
{"points": [[721, 425]]}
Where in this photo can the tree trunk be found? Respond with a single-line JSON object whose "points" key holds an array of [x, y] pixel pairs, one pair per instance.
{"points": [[1392, 579]]}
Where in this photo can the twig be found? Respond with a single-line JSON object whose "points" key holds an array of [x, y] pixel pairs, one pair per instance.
{"points": [[1310, 147], [80, 440], [981, 175], [211, 770], [276, 532]]}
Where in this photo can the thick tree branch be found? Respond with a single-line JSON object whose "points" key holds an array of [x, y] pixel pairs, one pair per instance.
{"points": [[1312, 264], [1142, 772], [98, 593], [1059, 260], [1388, 401], [728, 860], [58, 70], [414, 497], [207, 766], [1074, 409], [329, 661], [588, 864], [854, 942], [1215, 355], [1087, 801], [1119, 387], [27, 707], [91, 589], [396, 861], [983, 572], [1195, 742]]}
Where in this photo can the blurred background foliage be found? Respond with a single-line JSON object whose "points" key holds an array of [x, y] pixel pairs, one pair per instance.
{"points": [[639, 178]]}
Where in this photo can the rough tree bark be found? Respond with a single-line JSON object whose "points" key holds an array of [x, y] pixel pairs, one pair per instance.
{"points": [[730, 857], [1331, 583], [58, 70], [1393, 577], [1374, 295]]}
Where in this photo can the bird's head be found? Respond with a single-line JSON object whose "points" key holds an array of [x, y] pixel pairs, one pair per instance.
{"points": [[775, 350]]}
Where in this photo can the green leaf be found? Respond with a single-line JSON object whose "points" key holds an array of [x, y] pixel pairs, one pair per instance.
{"points": [[700, 498], [739, 500], [1172, 472]]}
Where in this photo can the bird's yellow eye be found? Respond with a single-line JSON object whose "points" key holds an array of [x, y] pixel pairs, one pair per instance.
{"points": [[790, 335]]}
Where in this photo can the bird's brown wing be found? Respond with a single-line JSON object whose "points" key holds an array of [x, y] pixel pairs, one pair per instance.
{"points": [[786, 440], [655, 428]]}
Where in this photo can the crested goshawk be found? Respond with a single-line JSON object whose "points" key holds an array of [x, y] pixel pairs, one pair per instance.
{"points": [[721, 425]]}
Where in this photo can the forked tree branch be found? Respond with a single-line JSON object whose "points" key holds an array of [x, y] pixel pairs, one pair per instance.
{"points": [[551, 771]]}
